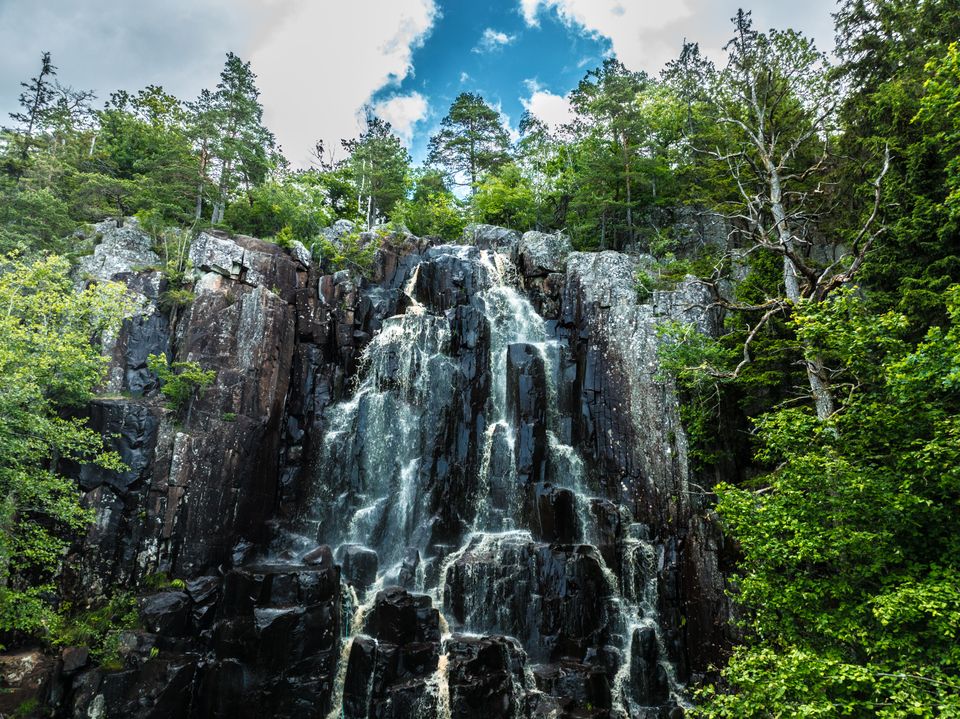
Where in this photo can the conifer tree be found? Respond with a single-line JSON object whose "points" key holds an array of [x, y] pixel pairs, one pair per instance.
{"points": [[472, 141]]}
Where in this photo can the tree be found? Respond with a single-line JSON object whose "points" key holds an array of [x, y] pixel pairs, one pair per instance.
{"points": [[242, 145], [378, 163], [299, 202], [144, 159], [605, 102], [472, 141], [776, 102], [35, 101], [884, 47], [505, 198], [32, 221], [47, 365], [432, 211], [620, 157], [850, 569]]}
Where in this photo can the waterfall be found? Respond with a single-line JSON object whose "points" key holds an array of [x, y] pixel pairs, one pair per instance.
{"points": [[381, 483]]}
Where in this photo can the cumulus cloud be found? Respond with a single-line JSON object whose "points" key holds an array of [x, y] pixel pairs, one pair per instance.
{"points": [[492, 40], [320, 63], [631, 26], [403, 112], [106, 45], [645, 34], [553, 109]]}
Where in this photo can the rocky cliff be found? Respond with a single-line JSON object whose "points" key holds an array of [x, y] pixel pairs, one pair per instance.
{"points": [[455, 487]]}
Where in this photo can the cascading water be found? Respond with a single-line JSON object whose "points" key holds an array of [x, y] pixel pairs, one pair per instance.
{"points": [[380, 473]]}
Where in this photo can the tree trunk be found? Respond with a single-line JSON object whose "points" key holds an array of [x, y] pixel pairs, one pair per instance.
{"points": [[816, 371]]}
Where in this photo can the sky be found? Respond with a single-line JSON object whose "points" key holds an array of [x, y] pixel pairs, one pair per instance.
{"points": [[321, 62]]}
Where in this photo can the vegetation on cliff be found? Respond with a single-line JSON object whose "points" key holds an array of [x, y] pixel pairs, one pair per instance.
{"points": [[834, 194]]}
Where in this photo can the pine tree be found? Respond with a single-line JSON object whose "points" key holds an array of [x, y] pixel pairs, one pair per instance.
{"points": [[472, 141], [242, 145], [36, 99]]}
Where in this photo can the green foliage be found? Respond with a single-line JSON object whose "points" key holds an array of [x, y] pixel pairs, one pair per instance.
{"points": [[297, 205], [889, 50], [99, 628], [850, 566], [34, 220], [180, 381], [471, 142], [617, 170], [159, 581], [352, 251], [378, 165], [940, 109], [230, 126], [505, 198], [47, 364], [432, 211], [646, 283]]}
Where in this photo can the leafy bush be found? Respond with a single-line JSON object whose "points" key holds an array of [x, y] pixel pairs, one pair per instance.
{"points": [[100, 628], [47, 364], [353, 251], [181, 381]]}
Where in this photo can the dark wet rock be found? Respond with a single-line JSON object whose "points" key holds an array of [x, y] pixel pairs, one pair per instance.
{"points": [[203, 589], [130, 429], [271, 617], [554, 599], [163, 686], [389, 673], [554, 516], [580, 687], [485, 676], [166, 613], [321, 556], [527, 405], [648, 678], [74, 658], [407, 576], [399, 617], [359, 565]]}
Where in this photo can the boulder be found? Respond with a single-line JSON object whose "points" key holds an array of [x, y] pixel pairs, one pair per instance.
{"points": [[26, 678], [542, 254], [125, 249], [491, 237], [485, 676], [74, 659], [359, 565], [166, 613]]}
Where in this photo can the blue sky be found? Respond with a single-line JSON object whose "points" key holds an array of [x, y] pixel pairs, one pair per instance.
{"points": [[490, 50], [321, 62]]}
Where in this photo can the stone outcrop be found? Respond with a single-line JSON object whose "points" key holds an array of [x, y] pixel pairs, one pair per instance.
{"points": [[599, 575]]}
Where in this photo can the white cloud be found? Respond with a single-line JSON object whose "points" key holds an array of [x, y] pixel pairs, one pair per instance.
{"points": [[631, 25], [464, 77], [553, 109], [505, 121], [320, 63], [492, 40], [106, 45], [403, 112]]}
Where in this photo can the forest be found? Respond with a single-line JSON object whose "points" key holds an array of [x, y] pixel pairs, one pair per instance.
{"points": [[824, 420]]}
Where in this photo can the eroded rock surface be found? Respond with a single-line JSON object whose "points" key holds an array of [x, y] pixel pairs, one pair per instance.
{"points": [[482, 424]]}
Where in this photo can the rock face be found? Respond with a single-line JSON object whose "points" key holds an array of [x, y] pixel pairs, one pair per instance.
{"points": [[479, 434]]}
